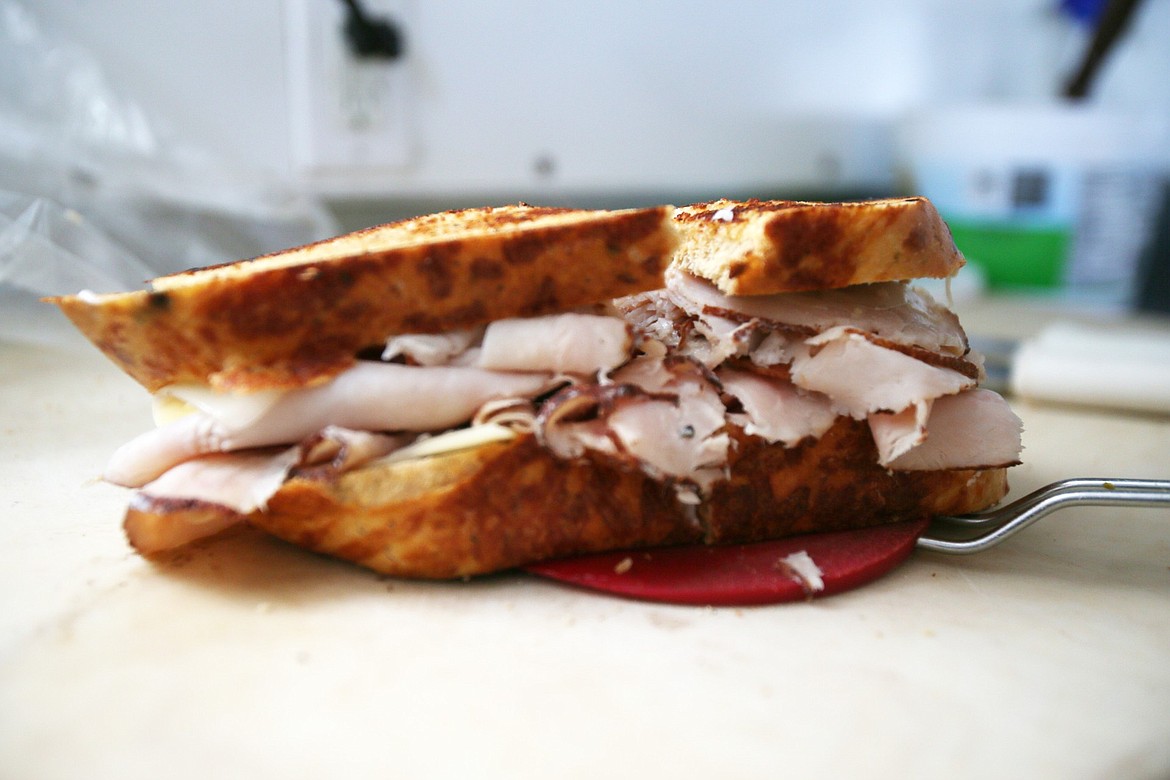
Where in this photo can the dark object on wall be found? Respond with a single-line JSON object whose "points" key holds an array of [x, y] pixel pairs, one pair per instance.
{"points": [[1110, 28], [372, 36]]}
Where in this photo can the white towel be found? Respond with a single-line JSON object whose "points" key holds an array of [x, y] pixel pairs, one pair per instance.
{"points": [[1121, 368]]}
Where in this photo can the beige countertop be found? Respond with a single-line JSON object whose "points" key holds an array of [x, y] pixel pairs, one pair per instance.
{"points": [[1048, 656]]}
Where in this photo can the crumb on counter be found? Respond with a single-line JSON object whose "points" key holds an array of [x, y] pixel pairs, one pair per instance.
{"points": [[802, 568]]}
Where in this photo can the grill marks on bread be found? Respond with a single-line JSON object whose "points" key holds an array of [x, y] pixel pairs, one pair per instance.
{"points": [[831, 483], [301, 316], [261, 323], [507, 504], [476, 511], [759, 247]]}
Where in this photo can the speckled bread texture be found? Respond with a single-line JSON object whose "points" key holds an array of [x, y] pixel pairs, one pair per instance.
{"points": [[506, 504], [761, 247], [300, 316], [476, 511]]}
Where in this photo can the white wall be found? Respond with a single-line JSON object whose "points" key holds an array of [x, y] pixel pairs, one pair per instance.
{"points": [[211, 71], [624, 98]]}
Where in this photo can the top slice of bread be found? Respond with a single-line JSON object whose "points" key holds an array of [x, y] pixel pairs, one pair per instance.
{"points": [[761, 247], [302, 315]]}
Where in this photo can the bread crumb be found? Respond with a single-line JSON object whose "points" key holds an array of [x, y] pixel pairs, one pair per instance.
{"points": [[624, 565]]}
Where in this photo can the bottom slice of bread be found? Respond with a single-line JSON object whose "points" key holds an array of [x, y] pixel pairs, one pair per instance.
{"points": [[506, 504]]}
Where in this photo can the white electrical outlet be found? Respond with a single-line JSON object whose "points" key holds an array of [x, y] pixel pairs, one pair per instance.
{"points": [[348, 114]]}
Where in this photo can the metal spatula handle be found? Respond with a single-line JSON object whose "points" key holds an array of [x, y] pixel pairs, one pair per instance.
{"points": [[977, 532]]}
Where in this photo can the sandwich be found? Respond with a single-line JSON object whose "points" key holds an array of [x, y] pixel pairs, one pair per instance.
{"points": [[478, 390]]}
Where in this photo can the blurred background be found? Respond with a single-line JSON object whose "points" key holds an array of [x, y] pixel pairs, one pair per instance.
{"points": [[139, 138]]}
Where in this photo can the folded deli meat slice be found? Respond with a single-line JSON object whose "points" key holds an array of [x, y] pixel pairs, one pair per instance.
{"points": [[515, 359], [790, 363], [662, 416], [862, 377], [974, 427], [431, 349], [213, 492], [776, 410], [369, 396], [890, 310], [244, 481], [570, 343], [566, 343], [896, 433]]}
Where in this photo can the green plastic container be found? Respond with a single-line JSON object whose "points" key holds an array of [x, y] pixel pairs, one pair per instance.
{"points": [[1013, 256]]}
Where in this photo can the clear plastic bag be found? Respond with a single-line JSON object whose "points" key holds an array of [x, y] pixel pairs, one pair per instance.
{"points": [[93, 194]]}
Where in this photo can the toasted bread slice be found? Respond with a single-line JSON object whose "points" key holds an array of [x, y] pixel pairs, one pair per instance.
{"points": [[301, 316], [761, 247], [506, 504], [475, 511]]}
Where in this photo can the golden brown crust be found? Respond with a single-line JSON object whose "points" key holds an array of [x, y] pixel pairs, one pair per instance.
{"points": [[301, 316], [761, 247], [476, 511], [507, 504], [832, 483], [153, 524]]}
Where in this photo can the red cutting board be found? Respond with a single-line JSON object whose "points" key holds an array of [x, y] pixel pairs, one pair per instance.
{"points": [[741, 574]]}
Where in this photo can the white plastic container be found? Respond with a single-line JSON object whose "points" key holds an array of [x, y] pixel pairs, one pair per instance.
{"points": [[1057, 198]]}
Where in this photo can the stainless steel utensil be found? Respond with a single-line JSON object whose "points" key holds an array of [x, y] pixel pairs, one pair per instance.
{"points": [[974, 533]]}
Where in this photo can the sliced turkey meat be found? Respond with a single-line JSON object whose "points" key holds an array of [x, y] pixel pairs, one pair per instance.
{"points": [[891, 310], [654, 316], [896, 433], [218, 490], [772, 350], [722, 339], [576, 419], [655, 375], [570, 343], [559, 343], [683, 439], [244, 481], [655, 389], [239, 481], [705, 337], [862, 377], [517, 414], [775, 409], [370, 396], [664, 415], [431, 349], [974, 429], [338, 449], [691, 441]]}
